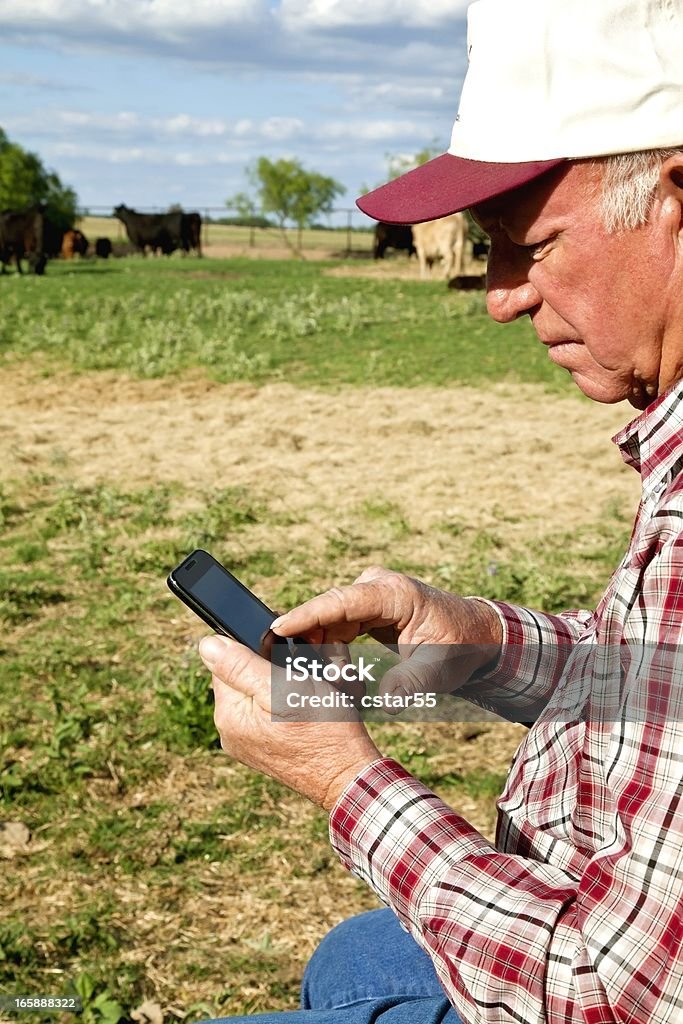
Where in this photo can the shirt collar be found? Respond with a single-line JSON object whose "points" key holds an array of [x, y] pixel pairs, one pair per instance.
{"points": [[653, 442]]}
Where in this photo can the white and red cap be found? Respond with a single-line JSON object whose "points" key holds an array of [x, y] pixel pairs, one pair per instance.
{"points": [[548, 81]]}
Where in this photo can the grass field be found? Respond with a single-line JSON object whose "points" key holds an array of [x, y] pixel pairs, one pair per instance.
{"points": [[301, 425]]}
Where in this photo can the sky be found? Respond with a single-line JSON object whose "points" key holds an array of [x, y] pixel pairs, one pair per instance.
{"points": [[154, 102]]}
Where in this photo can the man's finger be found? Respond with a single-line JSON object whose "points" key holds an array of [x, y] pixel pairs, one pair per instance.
{"points": [[361, 603]]}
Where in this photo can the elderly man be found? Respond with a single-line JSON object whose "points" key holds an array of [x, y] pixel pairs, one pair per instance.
{"points": [[576, 913]]}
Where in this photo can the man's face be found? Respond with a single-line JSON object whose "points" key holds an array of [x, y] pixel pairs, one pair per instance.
{"points": [[602, 303]]}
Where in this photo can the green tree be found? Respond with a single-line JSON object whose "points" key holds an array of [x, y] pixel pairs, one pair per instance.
{"points": [[246, 209], [292, 194], [24, 182]]}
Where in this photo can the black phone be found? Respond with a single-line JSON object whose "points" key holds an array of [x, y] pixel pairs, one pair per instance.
{"points": [[225, 604]]}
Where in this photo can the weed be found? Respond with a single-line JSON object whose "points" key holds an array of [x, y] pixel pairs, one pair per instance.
{"points": [[185, 716], [98, 1007]]}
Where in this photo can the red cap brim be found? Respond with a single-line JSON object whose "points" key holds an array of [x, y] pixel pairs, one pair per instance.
{"points": [[445, 185]]}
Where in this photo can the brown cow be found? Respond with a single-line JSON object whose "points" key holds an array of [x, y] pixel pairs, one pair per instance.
{"points": [[21, 237], [74, 243]]}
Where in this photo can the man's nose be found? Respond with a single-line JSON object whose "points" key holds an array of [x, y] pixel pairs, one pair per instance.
{"points": [[509, 292]]}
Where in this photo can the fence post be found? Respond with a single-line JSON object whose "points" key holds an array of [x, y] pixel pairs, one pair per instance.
{"points": [[348, 232]]}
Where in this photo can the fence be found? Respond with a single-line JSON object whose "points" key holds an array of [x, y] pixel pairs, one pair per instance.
{"points": [[352, 226]]}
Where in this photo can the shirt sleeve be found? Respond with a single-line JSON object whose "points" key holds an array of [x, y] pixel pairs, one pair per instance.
{"points": [[533, 653], [487, 919], [518, 940]]}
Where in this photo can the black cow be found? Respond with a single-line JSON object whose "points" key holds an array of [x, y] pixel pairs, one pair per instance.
{"points": [[392, 236], [191, 232], [103, 248], [480, 250], [53, 238], [160, 232], [21, 237]]}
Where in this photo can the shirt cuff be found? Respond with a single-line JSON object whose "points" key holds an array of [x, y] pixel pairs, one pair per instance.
{"points": [[533, 654], [376, 821]]}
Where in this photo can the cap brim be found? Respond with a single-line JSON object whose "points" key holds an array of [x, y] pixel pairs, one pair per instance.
{"points": [[445, 185]]}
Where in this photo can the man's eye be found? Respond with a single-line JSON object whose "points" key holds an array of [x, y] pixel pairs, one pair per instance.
{"points": [[535, 248]]}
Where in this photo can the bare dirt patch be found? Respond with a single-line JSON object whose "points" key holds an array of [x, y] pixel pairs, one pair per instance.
{"points": [[223, 251], [519, 459], [398, 266]]}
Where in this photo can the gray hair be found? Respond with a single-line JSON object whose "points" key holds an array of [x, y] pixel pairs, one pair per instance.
{"points": [[629, 183]]}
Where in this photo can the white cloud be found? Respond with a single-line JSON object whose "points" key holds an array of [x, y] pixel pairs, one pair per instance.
{"points": [[167, 132], [182, 124], [369, 131], [222, 34], [125, 15], [324, 14], [166, 16], [281, 129], [152, 155]]}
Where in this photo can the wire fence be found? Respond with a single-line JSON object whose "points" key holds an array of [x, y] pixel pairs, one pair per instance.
{"points": [[346, 224]]}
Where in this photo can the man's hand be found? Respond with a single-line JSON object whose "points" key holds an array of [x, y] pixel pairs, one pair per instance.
{"points": [[316, 758], [443, 639]]}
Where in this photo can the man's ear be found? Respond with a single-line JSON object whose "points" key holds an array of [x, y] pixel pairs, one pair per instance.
{"points": [[671, 189]]}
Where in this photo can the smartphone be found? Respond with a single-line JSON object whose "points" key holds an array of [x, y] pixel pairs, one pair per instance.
{"points": [[225, 604]]}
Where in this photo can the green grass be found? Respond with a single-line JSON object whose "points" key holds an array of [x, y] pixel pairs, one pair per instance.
{"points": [[258, 320], [97, 709]]}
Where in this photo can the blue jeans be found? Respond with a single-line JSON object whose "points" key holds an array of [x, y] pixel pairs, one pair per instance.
{"points": [[367, 970]]}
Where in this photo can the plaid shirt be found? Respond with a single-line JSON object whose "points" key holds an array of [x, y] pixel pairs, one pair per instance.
{"points": [[576, 913]]}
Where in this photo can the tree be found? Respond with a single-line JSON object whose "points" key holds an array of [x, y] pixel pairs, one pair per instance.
{"points": [[24, 182], [246, 210], [292, 194]]}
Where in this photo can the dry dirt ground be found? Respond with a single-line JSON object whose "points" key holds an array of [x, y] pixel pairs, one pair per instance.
{"points": [[359, 263], [460, 452]]}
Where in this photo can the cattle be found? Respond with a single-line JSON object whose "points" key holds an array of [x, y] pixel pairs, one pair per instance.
{"points": [[21, 237], [53, 236], [441, 239], [480, 250], [103, 248], [191, 232], [74, 243], [160, 232], [392, 236], [468, 282]]}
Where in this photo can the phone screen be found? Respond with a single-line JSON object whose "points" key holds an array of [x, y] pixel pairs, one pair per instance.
{"points": [[229, 607], [220, 599], [245, 617]]}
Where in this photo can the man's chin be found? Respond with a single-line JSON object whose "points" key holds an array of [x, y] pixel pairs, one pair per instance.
{"points": [[607, 393]]}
